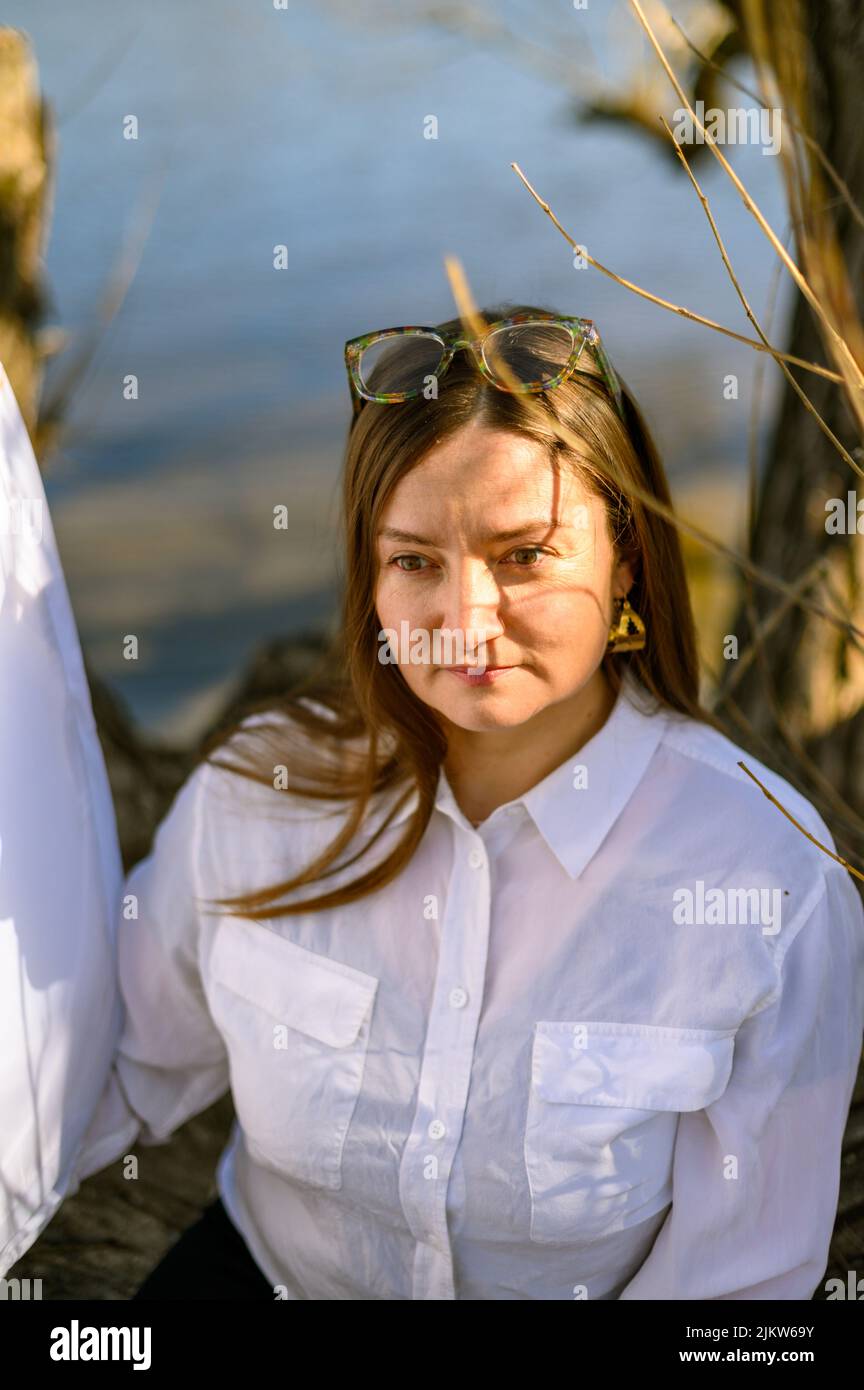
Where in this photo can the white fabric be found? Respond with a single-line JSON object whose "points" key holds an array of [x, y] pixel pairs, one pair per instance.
{"points": [[60, 866], [490, 1079]]}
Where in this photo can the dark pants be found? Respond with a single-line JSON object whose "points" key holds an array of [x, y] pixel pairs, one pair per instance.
{"points": [[210, 1260]]}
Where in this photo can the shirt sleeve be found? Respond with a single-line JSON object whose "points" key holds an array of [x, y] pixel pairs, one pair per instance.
{"points": [[171, 1061], [756, 1174]]}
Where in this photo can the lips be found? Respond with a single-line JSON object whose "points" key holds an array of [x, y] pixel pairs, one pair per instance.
{"points": [[476, 677]]}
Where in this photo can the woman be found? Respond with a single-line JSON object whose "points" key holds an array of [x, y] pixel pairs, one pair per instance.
{"points": [[524, 990]]}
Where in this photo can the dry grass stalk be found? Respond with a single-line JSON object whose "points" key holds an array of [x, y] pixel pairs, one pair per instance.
{"points": [[801, 394], [467, 310], [667, 304], [852, 373], [799, 826]]}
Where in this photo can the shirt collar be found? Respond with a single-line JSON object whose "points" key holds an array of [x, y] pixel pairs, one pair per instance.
{"points": [[574, 820]]}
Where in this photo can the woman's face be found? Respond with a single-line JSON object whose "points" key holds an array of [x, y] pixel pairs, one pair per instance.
{"points": [[483, 540]]}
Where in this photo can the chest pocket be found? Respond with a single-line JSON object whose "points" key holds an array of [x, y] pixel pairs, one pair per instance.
{"points": [[296, 1027], [602, 1116]]}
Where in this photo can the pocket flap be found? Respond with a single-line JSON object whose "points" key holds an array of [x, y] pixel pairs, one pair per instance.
{"points": [[632, 1065], [312, 993]]}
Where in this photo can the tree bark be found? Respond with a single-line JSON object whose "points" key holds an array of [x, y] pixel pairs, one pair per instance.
{"points": [[25, 171], [816, 676]]}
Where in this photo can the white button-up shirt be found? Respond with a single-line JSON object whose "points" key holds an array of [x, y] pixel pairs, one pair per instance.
{"points": [[602, 1046], [60, 864]]}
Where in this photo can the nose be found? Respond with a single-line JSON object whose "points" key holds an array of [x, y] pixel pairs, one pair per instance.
{"points": [[471, 600]]}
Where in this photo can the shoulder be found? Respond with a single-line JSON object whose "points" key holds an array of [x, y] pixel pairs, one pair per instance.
{"points": [[732, 830], [711, 762], [252, 824], [244, 767]]}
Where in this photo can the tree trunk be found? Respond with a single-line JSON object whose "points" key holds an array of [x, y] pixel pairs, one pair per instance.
{"points": [[815, 675], [25, 169]]}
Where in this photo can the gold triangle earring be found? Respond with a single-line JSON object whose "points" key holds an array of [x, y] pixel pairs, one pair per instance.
{"points": [[627, 633]]}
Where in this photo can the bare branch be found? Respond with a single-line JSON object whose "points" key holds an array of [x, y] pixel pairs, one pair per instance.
{"points": [[841, 347], [676, 308], [470, 316], [802, 396], [799, 826]]}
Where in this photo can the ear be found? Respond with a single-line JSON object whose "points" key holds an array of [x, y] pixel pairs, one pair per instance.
{"points": [[623, 576]]}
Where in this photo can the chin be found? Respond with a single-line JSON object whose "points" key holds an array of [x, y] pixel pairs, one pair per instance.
{"points": [[484, 722], [478, 714]]}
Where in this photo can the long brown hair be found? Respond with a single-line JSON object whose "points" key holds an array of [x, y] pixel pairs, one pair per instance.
{"points": [[374, 735]]}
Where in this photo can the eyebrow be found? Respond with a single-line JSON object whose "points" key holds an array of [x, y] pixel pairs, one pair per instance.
{"points": [[392, 533]]}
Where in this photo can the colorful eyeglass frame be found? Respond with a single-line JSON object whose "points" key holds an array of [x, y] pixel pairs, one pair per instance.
{"points": [[584, 330]]}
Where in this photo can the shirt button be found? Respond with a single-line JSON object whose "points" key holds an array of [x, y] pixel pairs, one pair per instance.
{"points": [[458, 997], [437, 1130], [514, 810], [475, 858]]}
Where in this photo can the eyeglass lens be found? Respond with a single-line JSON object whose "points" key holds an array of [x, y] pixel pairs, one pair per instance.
{"points": [[534, 353]]}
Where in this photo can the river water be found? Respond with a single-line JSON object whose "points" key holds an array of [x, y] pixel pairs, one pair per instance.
{"points": [[304, 127]]}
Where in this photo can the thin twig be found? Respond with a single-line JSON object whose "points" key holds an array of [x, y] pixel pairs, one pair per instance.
{"points": [[799, 826], [765, 629], [95, 77], [818, 248], [755, 411], [840, 345], [676, 308], [838, 805], [832, 172], [50, 425], [801, 394], [853, 822], [470, 316]]}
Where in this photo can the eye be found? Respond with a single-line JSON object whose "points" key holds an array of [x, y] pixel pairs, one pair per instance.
{"points": [[528, 550], [412, 569]]}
